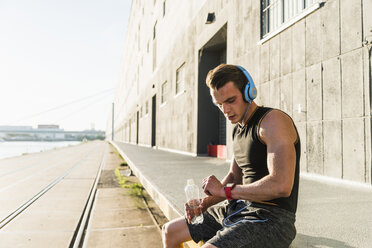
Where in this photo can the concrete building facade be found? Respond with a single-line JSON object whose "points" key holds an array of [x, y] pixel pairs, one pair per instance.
{"points": [[311, 59]]}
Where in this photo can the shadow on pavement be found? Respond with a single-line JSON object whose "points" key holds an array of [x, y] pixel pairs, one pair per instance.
{"points": [[303, 240]]}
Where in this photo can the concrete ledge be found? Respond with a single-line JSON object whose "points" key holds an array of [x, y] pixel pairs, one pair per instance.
{"points": [[331, 212]]}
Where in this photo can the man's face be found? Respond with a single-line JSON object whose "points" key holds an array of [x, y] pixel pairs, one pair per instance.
{"points": [[229, 100]]}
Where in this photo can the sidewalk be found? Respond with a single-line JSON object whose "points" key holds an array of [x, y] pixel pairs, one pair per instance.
{"points": [[119, 218], [329, 214]]}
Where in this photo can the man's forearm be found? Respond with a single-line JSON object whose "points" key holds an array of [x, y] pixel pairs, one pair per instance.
{"points": [[210, 201], [264, 189]]}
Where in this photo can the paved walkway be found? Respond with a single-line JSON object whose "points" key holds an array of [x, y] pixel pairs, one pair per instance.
{"points": [[118, 218], [329, 214]]}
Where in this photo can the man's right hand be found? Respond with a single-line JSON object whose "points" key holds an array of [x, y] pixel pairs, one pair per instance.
{"points": [[204, 205], [191, 212]]}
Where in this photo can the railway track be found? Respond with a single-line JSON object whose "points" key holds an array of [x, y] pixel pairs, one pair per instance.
{"points": [[79, 234], [78, 230]]}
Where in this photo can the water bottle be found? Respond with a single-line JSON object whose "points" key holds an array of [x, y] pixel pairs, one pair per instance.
{"points": [[193, 200]]}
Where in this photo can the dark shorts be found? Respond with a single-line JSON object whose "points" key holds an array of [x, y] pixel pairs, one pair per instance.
{"points": [[269, 226]]}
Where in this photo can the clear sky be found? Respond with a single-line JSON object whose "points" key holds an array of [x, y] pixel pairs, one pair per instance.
{"points": [[60, 61]]}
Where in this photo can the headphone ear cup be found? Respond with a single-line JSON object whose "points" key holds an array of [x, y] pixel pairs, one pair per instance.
{"points": [[247, 93], [252, 92]]}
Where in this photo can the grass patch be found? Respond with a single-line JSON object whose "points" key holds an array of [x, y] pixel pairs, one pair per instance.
{"points": [[136, 189], [122, 180]]}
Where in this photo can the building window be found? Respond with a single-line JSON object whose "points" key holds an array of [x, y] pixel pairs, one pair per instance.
{"points": [[164, 92], [164, 8], [180, 79], [276, 13], [154, 49], [154, 34]]}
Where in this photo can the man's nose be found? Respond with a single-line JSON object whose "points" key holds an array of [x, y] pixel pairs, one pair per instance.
{"points": [[225, 109]]}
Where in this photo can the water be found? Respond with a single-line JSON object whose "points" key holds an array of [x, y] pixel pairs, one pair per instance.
{"points": [[197, 215], [17, 148]]}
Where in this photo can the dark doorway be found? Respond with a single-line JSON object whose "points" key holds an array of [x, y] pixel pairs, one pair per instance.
{"points": [[137, 133], [153, 122], [211, 122]]}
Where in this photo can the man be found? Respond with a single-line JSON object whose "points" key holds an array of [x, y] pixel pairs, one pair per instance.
{"points": [[264, 173]]}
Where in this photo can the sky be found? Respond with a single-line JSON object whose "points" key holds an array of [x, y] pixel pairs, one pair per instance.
{"points": [[60, 61]]}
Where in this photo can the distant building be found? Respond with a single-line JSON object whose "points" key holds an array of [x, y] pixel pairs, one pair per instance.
{"points": [[57, 133], [310, 58], [46, 133], [43, 126]]}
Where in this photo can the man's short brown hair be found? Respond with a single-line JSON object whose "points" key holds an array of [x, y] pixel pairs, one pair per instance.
{"points": [[223, 74]]}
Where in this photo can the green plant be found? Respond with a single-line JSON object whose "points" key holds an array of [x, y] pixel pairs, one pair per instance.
{"points": [[122, 180], [136, 189]]}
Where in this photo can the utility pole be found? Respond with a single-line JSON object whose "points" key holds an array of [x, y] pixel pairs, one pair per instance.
{"points": [[112, 124]]}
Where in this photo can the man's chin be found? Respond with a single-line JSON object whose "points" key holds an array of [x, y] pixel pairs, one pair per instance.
{"points": [[233, 121]]}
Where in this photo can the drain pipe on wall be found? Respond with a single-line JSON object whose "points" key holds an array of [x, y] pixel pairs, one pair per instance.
{"points": [[368, 44], [369, 47]]}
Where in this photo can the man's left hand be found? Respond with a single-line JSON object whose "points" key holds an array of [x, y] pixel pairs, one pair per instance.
{"points": [[212, 186]]}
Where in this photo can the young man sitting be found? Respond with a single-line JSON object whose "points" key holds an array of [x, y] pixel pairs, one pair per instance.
{"points": [[261, 186]]}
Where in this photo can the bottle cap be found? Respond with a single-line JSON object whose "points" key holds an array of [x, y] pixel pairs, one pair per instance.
{"points": [[190, 181]]}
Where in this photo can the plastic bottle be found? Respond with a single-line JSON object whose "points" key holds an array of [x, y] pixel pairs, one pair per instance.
{"points": [[193, 200]]}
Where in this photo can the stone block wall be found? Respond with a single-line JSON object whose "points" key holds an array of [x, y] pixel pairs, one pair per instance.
{"points": [[318, 70]]}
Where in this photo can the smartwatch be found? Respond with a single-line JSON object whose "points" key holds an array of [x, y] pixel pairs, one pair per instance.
{"points": [[228, 189]]}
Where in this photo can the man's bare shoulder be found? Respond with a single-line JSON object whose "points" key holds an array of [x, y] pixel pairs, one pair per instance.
{"points": [[276, 124]]}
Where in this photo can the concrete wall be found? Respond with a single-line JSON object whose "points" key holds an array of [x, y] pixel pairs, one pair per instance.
{"points": [[317, 70]]}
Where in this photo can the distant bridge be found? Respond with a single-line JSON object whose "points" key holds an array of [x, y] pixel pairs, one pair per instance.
{"points": [[48, 134]]}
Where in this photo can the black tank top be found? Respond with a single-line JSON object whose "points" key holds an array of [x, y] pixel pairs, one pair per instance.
{"points": [[250, 153]]}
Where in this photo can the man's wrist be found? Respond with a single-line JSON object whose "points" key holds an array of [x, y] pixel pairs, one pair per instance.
{"points": [[222, 193]]}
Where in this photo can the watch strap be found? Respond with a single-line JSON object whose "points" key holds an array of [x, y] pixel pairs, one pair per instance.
{"points": [[228, 191]]}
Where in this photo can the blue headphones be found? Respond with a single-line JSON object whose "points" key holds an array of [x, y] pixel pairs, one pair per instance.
{"points": [[250, 91]]}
